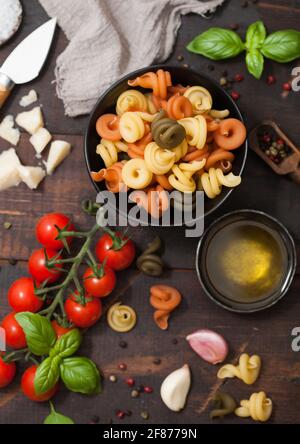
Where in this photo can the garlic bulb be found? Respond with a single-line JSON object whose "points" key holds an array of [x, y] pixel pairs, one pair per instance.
{"points": [[175, 388]]}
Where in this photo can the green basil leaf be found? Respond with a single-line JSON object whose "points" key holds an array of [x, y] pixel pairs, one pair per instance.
{"points": [[282, 46], [217, 44], [67, 344], [255, 63], [80, 374], [256, 35], [40, 336], [47, 375], [57, 418]]}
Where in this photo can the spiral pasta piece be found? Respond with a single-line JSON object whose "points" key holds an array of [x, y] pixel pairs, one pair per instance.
{"points": [[217, 156], [131, 100], [164, 299], [155, 201], [224, 405], [109, 150], [151, 107], [180, 150], [158, 82], [194, 154], [219, 114], [108, 127], [150, 263], [231, 134], [132, 127], [183, 201], [137, 149], [167, 133], [112, 176], [121, 318], [182, 181], [211, 182], [247, 369], [163, 181], [200, 98], [177, 89], [147, 117], [258, 407], [196, 130], [179, 107], [158, 160], [136, 175]]}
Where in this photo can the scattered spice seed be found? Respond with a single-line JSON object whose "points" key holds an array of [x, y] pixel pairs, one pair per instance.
{"points": [[157, 361], [186, 65], [128, 413], [225, 73], [234, 26], [135, 394], [145, 415], [180, 58], [120, 414], [174, 341], [130, 382], [12, 261], [148, 389], [113, 378], [140, 388], [7, 225], [239, 77], [271, 80], [122, 344], [223, 81], [122, 366], [235, 95], [286, 86]]}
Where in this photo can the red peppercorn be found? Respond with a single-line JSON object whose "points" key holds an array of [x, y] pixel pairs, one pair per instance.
{"points": [[271, 80], [266, 138], [122, 366], [148, 389], [120, 414], [235, 95], [130, 382], [239, 77], [286, 86], [280, 142]]}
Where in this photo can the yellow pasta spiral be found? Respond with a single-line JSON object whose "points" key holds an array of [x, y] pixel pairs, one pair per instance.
{"points": [[132, 127], [136, 175], [258, 407], [247, 369], [121, 318], [180, 150], [211, 182], [196, 130], [147, 117], [182, 179], [158, 160], [219, 114], [151, 108], [109, 151], [131, 100], [200, 98]]}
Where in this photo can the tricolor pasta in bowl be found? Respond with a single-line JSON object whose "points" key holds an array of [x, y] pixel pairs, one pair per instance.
{"points": [[162, 129]]}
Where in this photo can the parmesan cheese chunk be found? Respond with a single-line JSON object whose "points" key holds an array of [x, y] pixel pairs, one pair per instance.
{"points": [[9, 169], [40, 140], [31, 121], [29, 99], [31, 176], [59, 150], [8, 132]]}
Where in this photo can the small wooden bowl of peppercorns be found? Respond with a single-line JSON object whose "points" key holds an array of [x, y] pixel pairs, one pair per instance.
{"points": [[276, 149]]}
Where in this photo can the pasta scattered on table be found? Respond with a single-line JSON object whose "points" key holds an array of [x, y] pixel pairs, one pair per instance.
{"points": [[247, 369], [258, 407]]}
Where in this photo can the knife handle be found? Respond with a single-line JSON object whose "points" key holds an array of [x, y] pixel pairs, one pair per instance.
{"points": [[6, 85]]}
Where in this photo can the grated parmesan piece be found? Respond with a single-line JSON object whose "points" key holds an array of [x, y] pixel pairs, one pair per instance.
{"points": [[59, 150], [9, 169], [40, 140], [32, 120], [8, 132], [31, 176], [29, 99]]}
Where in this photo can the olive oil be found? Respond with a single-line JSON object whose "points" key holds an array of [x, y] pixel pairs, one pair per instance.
{"points": [[246, 261]]}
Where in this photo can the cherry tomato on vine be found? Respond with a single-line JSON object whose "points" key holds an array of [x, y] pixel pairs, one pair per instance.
{"points": [[102, 285], [37, 266], [46, 231], [118, 250], [59, 329], [83, 316], [14, 334], [27, 385], [7, 372], [21, 296]]}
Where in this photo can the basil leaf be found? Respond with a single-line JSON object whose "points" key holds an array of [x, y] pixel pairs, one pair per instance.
{"points": [[57, 418], [282, 46], [47, 375], [255, 63], [67, 344], [217, 44], [40, 336], [80, 374], [256, 35]]}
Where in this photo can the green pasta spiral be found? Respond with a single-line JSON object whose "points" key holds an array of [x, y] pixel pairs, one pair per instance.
{"points": [[167, 133], [150, 263], [224, 405]]}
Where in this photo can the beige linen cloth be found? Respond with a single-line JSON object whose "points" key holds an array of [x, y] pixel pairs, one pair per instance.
{"points": [[110, 38]]}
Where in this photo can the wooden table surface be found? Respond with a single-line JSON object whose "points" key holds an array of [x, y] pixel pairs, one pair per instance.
{"points": [[267, 333]]}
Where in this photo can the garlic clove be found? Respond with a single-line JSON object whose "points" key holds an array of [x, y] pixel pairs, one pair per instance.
{"points": [[175, 388], [209, 345]]}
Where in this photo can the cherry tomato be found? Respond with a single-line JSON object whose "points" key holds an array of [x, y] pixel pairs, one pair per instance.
{"points": [[83, 316], [7, 372], [101, 286], [37, 266], [46, 231], [59, 329], [21, 296], [118, 250], [27, 386], [14, 334]]}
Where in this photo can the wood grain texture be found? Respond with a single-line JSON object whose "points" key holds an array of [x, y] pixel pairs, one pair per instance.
{"points": [[267, 333]]}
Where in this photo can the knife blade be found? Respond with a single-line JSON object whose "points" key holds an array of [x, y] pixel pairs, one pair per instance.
{"points": [[27, 59]]}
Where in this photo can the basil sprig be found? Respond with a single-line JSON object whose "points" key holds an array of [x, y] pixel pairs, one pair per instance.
{"points": [[79, 374], [219, 44], [57, 418]]}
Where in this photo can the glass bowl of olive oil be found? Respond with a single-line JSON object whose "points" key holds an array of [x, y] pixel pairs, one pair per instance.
{"points": [[246, 261]]}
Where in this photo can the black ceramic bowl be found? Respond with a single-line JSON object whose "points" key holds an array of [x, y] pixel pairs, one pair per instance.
{"points": [[185, 76]]}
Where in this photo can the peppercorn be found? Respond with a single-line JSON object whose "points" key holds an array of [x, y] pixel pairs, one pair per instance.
{"points": [[235, 95], [148, 389], [223, 81], [122, 366], [120, 414], [7, 225], [128, 413], [271, 80], [157, 361], [145, 415], [122, 344], [225, 73], [286, 86], [180, 58], [140, 388], [113, 378], [234, 26], [186, 65], [130, 382], [135, 394], [174, 341], [239, 77], [12, 261]]}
